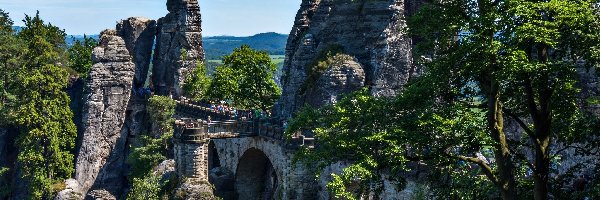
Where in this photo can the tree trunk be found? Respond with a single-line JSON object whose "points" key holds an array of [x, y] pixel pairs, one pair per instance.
{"points": [[506, 179], [541, 175]]}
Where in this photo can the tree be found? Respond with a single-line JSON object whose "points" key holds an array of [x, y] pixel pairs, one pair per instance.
{"points": [[487, 62], [145, 188], [224, 84], [356, 129], [518, 58], [11, 52], [5, 23], [197, 83], [251, 83], [154, 148], [41, 110], [80, 55]]}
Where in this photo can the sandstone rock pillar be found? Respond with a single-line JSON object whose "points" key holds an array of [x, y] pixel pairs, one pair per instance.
{"points": [[107, 97], [178, 46]]}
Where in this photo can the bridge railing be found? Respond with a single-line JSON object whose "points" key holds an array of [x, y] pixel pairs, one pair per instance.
{"points": [[229, 124]]}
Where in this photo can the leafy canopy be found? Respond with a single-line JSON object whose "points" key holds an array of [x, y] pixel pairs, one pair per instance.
{"points": [[487, 63], [246, 77]]}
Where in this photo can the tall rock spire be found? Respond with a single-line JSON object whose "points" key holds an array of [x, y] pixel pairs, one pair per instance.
{"points": [[178, 46], [369, 31]]}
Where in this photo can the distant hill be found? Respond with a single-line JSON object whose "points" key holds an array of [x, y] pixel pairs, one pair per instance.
{"points": [[70, 39], [218, 46], [17, 28]]}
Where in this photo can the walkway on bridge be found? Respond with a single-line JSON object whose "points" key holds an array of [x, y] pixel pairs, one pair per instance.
{"points": [[193, 125]]}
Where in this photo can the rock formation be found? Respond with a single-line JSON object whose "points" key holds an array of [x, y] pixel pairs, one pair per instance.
{"points": [[178, 46], [343, 75], [138, 33], [370, 31], [99, 163]]}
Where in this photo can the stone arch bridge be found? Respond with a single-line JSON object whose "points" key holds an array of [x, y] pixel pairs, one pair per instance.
{"points": [[244, 158]]}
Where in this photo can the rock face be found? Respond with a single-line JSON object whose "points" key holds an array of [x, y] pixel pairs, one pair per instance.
{"points": [[370, 31], [178, 46], [100, 160], [138, 33], [342, 76]]}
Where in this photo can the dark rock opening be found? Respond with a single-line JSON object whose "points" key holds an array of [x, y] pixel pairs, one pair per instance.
{"points": [[213, 156], [255, 177]]}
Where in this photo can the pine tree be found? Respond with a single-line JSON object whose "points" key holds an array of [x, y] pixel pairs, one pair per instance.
{"points": [[42, 111]]}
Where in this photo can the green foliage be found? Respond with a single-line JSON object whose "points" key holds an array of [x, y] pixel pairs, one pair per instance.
{"points": [[197, 83], [80, 55], [357, 128], [246, 77], [145, 188], [5, 23], [46, 41], [148, 153], [36, 103], [4, 185], [487, 61], [224, 83], [593, 101], [154, 148], [161, 110], [12, 50], [512, 59]]}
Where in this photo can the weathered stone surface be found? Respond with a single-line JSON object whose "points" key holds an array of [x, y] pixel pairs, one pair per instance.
{"points": [[194, 189], [100, 195], [344, 75], [100, 160], [370, 31], [192, 160], [72, 191], [178, 46], [223, 180], [267, 165], [139, 33], [590, 93]]}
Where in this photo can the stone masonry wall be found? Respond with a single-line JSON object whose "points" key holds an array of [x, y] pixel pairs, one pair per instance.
{"points": [[192, 160], [296, 182]]}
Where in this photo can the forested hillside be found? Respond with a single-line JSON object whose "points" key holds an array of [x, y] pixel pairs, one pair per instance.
{"points": [[218, 46]]}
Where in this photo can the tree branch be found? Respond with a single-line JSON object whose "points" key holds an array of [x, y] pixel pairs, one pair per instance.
{"points": [[521, 123], [487, 170]]}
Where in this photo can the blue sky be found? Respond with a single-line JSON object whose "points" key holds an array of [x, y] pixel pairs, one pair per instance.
{"points": [[220, 17]]}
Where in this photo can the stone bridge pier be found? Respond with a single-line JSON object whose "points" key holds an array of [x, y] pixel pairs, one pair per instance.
{"points": [[191, 150]]}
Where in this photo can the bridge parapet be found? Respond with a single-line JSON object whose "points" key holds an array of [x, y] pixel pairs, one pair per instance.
{"points": [[241, 123]]}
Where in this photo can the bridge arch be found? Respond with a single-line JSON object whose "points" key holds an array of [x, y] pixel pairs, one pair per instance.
{"points": [[256, 177], [213, 156]]}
